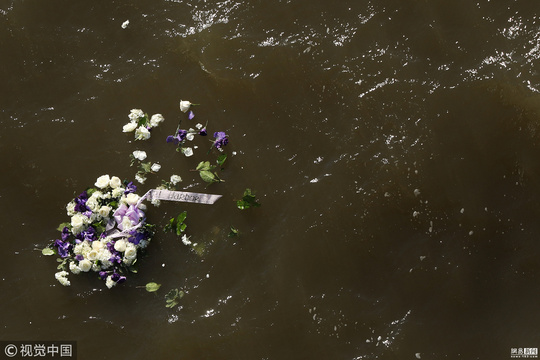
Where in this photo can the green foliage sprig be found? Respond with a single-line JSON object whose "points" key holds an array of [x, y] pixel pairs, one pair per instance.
{"points": [[249, 200]]}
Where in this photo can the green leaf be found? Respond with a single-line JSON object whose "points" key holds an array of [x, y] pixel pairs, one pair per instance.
{"points": [[221, 159], [152, 286], [48, 251], [248, 200], [234, 232], [204, 166], [173, 297], [177, 224], [207, 176], [63, 225], [181, 217], [146, 167]]}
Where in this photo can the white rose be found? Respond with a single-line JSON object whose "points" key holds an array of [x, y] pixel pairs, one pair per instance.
{"points": [[142, 133], [92, 255], [97, 245], [139, 155], [104, 211], [131, 252], [120, 245], [129, 127], [155, 167], [190, 136], [103, 181], [115, 182], [156, 119], [78, 220], [85, 265], [74, 268], [184, 105], [199, 126], [175, 179], [132, 199]]}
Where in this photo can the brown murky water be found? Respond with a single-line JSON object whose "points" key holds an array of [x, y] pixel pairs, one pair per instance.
{"points": [[393, 146]]}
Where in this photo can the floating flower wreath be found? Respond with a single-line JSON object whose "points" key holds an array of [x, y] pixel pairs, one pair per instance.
{"points": [[106, 234]]}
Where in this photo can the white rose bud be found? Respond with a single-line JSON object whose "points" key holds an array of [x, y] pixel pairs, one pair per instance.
{"points": [[129, 127], [175, 179], [139, 155], [103, 181], [156, 119], [187, 151], [142, 133], [155, 167], [184, 105]]}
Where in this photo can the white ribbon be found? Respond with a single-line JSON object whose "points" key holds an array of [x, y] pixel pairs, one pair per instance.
{"points": [[183, 196]]}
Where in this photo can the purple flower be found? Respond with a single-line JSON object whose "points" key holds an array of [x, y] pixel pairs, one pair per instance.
{"points": [[80, 202], [136, 237], [88, 234], [130, 188], [221, 139], [178, 138], [63, 248], [103, 275], [118, 278], [79, 257], [191, 115], [65, 233], [116, 258], [203, 132]]}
